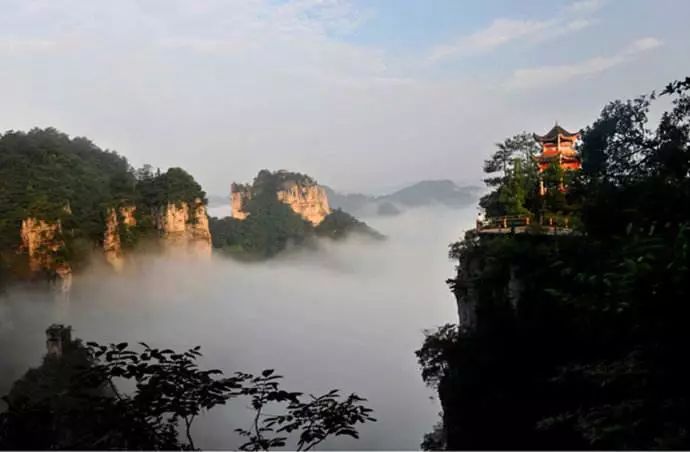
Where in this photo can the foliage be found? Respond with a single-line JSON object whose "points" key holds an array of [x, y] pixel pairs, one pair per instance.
{"points": [[340, 224], [513, 174], [173, 186], [315, 419], [76, 402], [591, 354], [436, 439]]}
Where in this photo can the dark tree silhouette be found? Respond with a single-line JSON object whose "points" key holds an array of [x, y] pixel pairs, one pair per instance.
{"points": [[114, 397]]}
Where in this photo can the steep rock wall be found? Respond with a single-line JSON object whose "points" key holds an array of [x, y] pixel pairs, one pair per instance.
{"points": [[127, 215], [112, 243], [112, 247], [42, 241], [185, 229], [308, 201], [238, 198], [466, 293]]}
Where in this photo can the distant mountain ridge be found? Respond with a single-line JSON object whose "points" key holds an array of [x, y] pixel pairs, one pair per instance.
{"points": [[424, 193]]}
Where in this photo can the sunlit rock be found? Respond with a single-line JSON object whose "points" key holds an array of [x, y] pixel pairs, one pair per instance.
{"points": [[42, 241], [185, 229]]}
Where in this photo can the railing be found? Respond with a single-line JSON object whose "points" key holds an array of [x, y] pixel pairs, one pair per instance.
{"points": [[520, 223]]}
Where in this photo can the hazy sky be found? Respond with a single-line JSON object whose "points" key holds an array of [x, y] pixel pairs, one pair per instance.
{"points": [[362, 95]]}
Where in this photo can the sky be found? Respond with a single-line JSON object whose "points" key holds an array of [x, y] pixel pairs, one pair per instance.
{"points": [[365, 96]]}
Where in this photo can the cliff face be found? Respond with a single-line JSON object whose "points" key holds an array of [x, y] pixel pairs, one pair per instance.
{"points": [[185, 229], [42, 241], [466, 289], [238, 199], [310, 201], [466, 293], [112, 244]]}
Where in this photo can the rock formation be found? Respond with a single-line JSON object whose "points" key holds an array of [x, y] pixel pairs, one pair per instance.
{"points": [[112, 247], [308, 200], [127, 215], [240, 194], [185, 229], [112, 244], [466, 292], [58, 337], [42, 241]]}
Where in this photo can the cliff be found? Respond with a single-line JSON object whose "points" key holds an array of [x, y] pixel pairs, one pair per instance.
{"points": [[112, 243], [301, 193], [42, 241], [467, 286], [240, 195], [309, 201], [185, 228], [39, 189]]}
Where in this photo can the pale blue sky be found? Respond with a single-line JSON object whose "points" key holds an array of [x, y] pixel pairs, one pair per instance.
{"points": [[363, 95]]}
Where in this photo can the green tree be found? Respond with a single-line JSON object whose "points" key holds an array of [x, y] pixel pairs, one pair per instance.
{"points": [[75, 401], [513, 178]]}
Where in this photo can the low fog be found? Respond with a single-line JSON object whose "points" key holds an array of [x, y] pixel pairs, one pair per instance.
{"points": [[347, 316]]}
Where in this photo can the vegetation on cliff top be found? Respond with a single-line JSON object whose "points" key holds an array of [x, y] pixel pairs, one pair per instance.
{"points": [[579, 339], [272, 226], [48, 175]]}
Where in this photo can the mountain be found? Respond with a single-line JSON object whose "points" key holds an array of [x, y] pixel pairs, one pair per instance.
{"points": [[430, 192], [279, 209], [424, 193], [61, 198]]}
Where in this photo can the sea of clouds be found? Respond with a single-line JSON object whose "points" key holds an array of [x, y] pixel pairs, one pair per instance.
{"points": [[348, 315]]}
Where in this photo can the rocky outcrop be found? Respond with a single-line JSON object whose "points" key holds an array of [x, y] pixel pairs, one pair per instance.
{"points": [[112, 243], [185, 228], [466, 285], [466, 292], [309, 201], [127, 215], [42, 241], [112, 247], [240, 194]]}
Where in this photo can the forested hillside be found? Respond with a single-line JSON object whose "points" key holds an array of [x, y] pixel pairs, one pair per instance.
{"points": [[576, 340], [46, 175]]}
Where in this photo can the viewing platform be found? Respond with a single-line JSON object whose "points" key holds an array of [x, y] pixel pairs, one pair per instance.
{"points": [[524, 224]]}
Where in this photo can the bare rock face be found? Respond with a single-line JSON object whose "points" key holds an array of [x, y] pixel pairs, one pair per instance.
{"points": [[127, 215], [310, 201], [238, 199], [185, 229], [42, 241], [112, 247], [112, 244], [467, 293]]}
